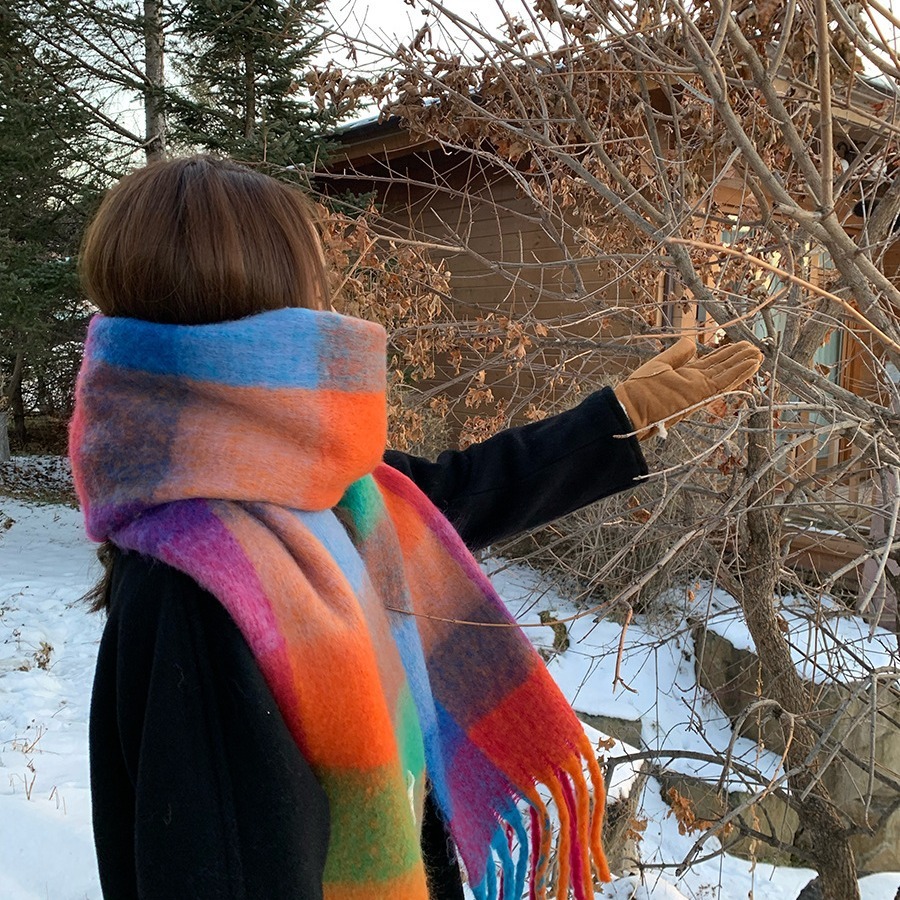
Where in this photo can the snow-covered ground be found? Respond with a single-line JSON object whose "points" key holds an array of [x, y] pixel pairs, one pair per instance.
{"points": [[48, 643]]}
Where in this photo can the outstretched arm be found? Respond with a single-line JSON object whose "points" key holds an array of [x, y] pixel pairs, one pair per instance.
{"points": [[525, 477]]}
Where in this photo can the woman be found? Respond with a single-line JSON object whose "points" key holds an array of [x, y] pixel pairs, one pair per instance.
{"points": [[284, 661]]}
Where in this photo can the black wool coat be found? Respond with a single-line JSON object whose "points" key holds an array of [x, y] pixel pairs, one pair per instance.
{"points": [[199, 792]]}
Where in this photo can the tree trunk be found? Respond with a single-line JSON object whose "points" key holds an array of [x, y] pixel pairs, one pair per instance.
{"points": [[876, 600], [883, 219], [4, 436], [249, 95], [16, 401], [154, 100], [17, 405], [822, 829]]}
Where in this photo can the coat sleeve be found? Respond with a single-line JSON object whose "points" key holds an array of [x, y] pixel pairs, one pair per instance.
{"points": [[528, 476], [198, 788]]}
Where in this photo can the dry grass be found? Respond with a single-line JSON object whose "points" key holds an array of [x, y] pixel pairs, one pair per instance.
{"points": [[38, 479]]}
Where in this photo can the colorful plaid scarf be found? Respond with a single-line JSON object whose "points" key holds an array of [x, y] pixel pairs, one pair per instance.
{"points": [[248, 455]]}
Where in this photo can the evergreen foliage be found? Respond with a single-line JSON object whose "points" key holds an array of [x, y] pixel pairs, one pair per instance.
{"points": [[242, 74], [45, 157], [88, 89]]}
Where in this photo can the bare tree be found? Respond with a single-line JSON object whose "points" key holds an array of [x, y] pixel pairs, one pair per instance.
{"points": [[620, 173]]}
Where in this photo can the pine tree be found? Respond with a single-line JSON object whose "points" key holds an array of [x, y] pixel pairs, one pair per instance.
{"points": [[45, 157], [227, 76], [106, 57], [243, 77]]}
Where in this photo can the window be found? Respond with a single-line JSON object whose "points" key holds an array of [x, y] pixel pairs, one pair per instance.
{"points": [[678, 313], [828, 357]]}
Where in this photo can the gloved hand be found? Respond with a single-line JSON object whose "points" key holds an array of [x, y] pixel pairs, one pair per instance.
{"points": [[663, 391]]}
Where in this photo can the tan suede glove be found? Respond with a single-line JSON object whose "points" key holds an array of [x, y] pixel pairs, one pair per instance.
{"points": [[666, 389]]}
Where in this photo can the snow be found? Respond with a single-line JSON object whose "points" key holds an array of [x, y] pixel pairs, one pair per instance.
{"points": [[36, 473], [656, 667], [825, 642], [48, 645], [46, 565]]}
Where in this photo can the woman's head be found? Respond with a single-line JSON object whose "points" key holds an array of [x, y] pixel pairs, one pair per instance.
{"points": [[198, 240]]}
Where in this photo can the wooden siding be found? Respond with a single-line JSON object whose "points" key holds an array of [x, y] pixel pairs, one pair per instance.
{"points": [[510, 265]]}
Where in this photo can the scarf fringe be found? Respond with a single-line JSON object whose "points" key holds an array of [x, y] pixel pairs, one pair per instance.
{"points": [[579, 854]]}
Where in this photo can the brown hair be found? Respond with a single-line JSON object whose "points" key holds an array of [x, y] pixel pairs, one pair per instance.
{"points": [[198, 240]]}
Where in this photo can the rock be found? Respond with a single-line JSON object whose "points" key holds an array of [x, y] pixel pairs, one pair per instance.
{"points": [[771, 815], [623, 828], [732, 676], [628, 731], [812, 891]]}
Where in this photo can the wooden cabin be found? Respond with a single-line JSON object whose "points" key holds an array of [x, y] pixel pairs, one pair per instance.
{"points": [[504, 261]]}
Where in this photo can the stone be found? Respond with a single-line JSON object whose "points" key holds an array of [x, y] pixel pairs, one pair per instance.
{"points": [[812, 891], [732, 676], [626, 779], [622, 829], [628, 731], [771, 815]]}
